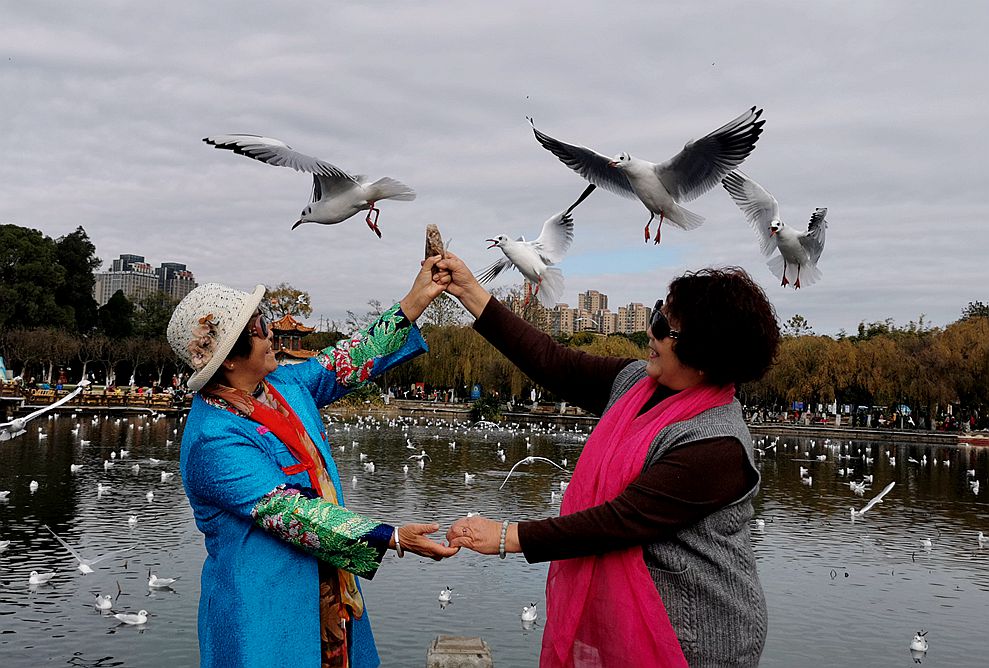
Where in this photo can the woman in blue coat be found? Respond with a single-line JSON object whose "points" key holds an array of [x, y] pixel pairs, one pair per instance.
{"points": [[283, 553]]}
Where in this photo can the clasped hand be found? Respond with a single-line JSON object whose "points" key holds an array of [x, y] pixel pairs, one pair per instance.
{"points": [[475, 533]]}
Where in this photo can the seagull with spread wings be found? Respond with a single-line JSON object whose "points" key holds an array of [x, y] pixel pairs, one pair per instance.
{"points": [[85, 565], [798, 250], [533, 259], [878, 498], [662, 186], [529, 460], [15, 428], [336, 195]]}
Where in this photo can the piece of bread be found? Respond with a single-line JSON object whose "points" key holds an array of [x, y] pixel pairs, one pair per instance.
{"points": [[434, 242]]}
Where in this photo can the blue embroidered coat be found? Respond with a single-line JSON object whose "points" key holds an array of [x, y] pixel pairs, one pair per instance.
{"points": [[260, 595]]}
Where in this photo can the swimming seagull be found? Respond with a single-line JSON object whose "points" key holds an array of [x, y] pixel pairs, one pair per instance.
{"points": [[336, 195], [533, 259], [130, 618], [14, 428], [155, 582], [529, 613], [798, 250], [919, 642], [446, 594], [660, 187], [873, 501], [105, 602], [85, 565], [529, 460], [37, 578]]}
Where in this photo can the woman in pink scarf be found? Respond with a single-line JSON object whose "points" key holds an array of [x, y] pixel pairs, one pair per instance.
{"points": [[651, 559]]}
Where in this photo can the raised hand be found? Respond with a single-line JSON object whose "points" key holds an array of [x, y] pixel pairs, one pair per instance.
{"points": [[414, 538], [424, 289], [462, 284]]}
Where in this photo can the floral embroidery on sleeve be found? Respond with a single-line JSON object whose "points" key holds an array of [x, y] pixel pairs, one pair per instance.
{"points": [[323, 529], [352, 360]]}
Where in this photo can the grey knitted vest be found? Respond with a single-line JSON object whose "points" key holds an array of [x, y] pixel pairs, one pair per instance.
{"points": [[706, 574]]}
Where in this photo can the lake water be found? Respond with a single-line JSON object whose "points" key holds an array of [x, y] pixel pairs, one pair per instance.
{"points": [[839, 593]]}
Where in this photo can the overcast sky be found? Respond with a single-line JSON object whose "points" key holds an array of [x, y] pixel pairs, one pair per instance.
{"points": [[876, 110]]}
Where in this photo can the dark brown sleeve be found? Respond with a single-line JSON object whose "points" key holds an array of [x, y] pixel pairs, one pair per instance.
{"points": [[574, 376], [680, 489]]}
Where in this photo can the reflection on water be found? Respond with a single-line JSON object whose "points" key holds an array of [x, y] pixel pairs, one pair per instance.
{"points": [[839, 592]]}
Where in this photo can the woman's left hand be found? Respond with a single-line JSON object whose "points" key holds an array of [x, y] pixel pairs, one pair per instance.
{"points": [[482, 535], [425, 288]]}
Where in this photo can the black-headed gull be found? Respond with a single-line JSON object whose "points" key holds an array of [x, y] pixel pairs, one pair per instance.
{"points": [[529, 613], [14, 428], [155, 582], [336, 194], [533, 259], [130, 618], [873, 501], [446, 595], [85, 565], [799, 251], [660, 187], [36, 578], [529, 460]]}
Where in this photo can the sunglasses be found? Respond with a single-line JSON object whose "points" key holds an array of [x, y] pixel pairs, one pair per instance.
{"points": [[659, 325], [258, 326]]}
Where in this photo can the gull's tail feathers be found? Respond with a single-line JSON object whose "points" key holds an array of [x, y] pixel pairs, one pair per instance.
{"points": [[388, 188], [551, 287]]}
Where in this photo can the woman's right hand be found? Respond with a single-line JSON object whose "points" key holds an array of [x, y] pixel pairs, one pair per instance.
{"points": [[414, 538], [462, 284]]}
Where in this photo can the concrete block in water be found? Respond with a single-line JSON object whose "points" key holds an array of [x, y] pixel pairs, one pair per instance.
{"points": [[458, 652]]}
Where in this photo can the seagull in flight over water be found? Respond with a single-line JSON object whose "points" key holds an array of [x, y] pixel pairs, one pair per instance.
{"points": [[15, 428], [662, 186], [533, 259], [799, 250], [878, 498], [85, 565], [336, 195], [529, 460]]}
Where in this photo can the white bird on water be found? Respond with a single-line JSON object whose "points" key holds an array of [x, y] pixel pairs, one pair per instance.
{"points": [[446, 595], [660, 187], [37, 578], [529, 460], [130, 618], [469, 478], [919, 642], [873, 501], [85, 565], [75, 468], [336, 195], [529, 613], [533, 259], [155, 582], [33, 486], [798, 250]]}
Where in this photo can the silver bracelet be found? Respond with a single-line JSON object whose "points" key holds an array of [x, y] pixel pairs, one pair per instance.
{"points": [[398, 546], [501, 543]]}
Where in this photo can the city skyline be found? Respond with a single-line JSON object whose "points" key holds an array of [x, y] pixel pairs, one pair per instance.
{"points": [[136, 278]]}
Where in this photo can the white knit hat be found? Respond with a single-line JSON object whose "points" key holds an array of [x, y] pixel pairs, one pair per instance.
{"points": [[206, 324]]}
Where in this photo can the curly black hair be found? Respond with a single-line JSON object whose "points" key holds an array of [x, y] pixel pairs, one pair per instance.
{"points": [[727, 327]]}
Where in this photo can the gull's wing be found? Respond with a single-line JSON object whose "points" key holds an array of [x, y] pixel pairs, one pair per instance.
{"points": [[548, 461], [330, 186], [41, 411], [555, 239], [813, 239], [525, 460], [490, 272], [590, 164], [68, 547], [878, 498], [275, 152], [110, 555], [759, 207], [703, 163]]}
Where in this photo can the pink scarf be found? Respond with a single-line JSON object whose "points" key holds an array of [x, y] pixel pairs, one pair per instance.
{"points": [[604, 610]]}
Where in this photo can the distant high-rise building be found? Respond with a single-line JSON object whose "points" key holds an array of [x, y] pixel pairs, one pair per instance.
{"points": [[592, 301], [633, 318], [138, 279], [590, 315]]}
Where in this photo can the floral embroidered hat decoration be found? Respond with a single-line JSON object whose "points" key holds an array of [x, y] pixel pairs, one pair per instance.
{"points": [[205, 326]]}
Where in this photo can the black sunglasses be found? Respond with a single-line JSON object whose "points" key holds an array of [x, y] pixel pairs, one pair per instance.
{"points": [[659, 325], [258, 326]]}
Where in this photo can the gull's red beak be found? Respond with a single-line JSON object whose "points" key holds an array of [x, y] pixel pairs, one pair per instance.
{"points": [[771, 231], [494, 243], [612, 163]]}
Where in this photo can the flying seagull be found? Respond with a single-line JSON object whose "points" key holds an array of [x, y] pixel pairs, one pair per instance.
{"points": [[15, 428], [798, 250], [529, 460], [878, 498], [533, 258], [85, 565], [336, 195], [661, 187]]}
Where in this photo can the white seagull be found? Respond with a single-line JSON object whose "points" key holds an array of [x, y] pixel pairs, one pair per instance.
{"points": [[529, 613], [130, 618], [660, 187], [85, 565], [155, 582], [445, 595], [873, 501], [533, 259], [14, 428], [529, 460], [798, 250], [37, 578], [336, 194]]}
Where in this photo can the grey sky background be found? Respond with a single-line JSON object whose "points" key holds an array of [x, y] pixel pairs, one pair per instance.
{"points": [[876, 110]]}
